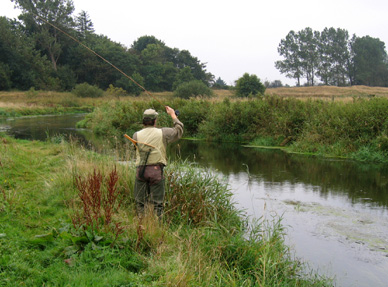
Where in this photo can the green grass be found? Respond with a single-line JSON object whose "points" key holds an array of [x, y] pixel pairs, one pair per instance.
{"points": [[206, 243]]}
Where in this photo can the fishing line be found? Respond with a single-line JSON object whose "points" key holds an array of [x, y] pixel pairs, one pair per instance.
{"points": [[101, 57]]}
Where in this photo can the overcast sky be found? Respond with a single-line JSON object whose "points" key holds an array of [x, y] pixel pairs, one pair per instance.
{"points": [[231, 37]]}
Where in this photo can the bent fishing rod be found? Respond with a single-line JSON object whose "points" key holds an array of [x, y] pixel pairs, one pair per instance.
{"points": [[102, 58]]}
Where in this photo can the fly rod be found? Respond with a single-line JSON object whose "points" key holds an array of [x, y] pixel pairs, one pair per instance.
{"points": [[98, 55]]}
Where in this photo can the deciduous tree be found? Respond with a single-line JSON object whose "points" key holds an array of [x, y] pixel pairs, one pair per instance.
{"points": [[370, 61], [290, 49], [249, 85], [56, 12]]}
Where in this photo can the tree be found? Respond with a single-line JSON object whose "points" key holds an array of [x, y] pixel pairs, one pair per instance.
{"points": [[83, 24], [273, 84], [370, 61], [161, 64], [21, 66], [289, 48], [182, 59], [220, 84], [334, 55], [249, 85], [141, 43], [308, 52], [129, 85], [183, 76], [56, 12]]}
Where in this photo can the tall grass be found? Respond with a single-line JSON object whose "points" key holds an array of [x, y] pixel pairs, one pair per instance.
{"points": [[206, 243], [357, 129]]}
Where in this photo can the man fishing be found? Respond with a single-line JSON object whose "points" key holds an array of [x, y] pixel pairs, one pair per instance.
{"points": [[151, 158]]}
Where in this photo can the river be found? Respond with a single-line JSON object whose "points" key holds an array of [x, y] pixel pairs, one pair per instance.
{"points": [[335, 211]]}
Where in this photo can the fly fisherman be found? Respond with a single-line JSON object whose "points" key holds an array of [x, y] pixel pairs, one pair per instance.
{"points": [[151, 158]]}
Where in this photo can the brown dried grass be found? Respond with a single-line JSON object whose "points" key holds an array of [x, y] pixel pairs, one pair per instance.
{"points": [[328, 92]]}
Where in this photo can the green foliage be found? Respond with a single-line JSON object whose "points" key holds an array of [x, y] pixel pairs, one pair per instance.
{"points": [[184, 75], [195, 197], [5, 79], [33, 53], [370, 66], [193, 113], [220, 84], [47, 39], [115, 91], [193, 89], [129, 85], [327, 128], [332, 56], [87, 91], [67, 77], [249, 85], [21, 66], [141, 43]]}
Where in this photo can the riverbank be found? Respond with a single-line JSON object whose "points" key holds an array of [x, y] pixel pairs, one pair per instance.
{"points": [[45, 239], [357, 130], [348, 122]]}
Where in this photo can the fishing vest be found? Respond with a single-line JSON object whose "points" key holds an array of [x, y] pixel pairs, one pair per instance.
{"points": [[154, 137]]}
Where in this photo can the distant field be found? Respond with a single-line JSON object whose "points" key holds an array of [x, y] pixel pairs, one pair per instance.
{"points": [[329, 92], [17, 99]]}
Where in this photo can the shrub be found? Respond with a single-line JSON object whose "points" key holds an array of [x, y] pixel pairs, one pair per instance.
{"points": [[85, 90], [249, 85], [193, 89], [115, 91]]}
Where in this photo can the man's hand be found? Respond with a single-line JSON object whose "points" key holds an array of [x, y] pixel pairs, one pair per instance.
{"points": [[171, 112]]}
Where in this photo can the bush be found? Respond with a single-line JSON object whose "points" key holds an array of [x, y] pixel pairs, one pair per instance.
{"points": [[249, 85], [87, 91], [193, 89], [115, 91]]}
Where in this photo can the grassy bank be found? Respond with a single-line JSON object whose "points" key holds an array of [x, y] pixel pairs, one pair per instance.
{"points": [[49, 238], [357, 129], [327, 121]]}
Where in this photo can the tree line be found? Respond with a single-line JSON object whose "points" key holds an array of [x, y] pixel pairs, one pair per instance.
{"points": [[333, 57], [35, 54]]}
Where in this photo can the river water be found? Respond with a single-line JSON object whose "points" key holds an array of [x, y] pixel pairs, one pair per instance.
{"points": [[335, 211]]}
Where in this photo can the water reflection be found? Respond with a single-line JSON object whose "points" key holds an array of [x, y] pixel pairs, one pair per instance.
{"points": [[42, 127], [360, 183]]}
